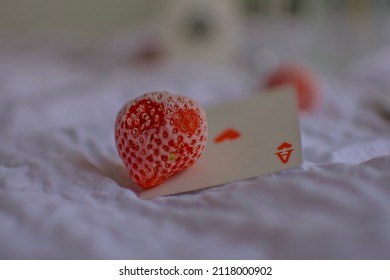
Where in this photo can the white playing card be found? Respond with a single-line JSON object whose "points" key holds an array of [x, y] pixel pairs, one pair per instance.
{"points": [[250, 138]]}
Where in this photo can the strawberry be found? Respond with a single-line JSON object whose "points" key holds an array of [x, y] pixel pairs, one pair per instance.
{"points": [[158, 135], [302, 79]]}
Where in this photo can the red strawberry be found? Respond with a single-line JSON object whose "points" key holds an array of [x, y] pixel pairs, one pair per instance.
{"points": [[159, 134], [302, 79]]}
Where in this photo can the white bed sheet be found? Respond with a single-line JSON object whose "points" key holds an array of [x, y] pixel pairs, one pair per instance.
{"points": [[64, 192]]}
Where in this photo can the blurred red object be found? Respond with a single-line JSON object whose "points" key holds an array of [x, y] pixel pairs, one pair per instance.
{"points": [[302, 79], [148, 52]]}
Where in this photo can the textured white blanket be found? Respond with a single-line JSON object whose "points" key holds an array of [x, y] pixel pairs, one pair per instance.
{"points": [[63, 188]]}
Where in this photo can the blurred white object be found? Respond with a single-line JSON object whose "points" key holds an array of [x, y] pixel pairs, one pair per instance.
{"points": [[202, 30], [265, 61]]}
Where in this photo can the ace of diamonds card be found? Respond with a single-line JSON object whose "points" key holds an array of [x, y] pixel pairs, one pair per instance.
{"points": [[250, 138]]}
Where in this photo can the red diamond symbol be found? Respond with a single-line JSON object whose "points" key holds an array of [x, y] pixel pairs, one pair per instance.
{"points": [[284, 152]]}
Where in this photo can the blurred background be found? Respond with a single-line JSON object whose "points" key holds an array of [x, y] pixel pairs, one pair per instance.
{"points": [[325, 33], [254, 37], [90, 17], [98, 17]]}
